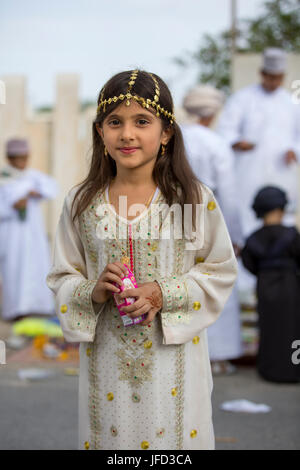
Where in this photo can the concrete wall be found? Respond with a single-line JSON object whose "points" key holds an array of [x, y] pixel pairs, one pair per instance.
{"points": [[13, 114]]}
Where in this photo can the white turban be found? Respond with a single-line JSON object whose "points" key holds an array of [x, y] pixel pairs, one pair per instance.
{"points": [[203, 101], [274, 61]]}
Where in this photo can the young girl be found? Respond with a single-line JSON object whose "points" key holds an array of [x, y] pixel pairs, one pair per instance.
{"points": [[146, 386]]}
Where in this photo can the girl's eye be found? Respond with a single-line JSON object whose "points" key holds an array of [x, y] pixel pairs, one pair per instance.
{"points": [[143, 122], [114, 122]]}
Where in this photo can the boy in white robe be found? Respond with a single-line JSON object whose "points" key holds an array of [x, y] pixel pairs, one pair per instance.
{"points": [[24, 251]]}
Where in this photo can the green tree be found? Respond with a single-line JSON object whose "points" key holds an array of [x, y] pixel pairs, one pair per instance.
{"points": [[277, 26]]}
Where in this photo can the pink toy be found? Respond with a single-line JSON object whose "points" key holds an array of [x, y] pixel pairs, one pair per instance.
{"points": [[129, 282]]}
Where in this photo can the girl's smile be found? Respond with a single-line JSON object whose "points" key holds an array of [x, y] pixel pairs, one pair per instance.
{"points": [[128, 150]]}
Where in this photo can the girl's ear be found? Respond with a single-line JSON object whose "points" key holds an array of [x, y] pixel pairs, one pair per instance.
{"points": [[167, 135], [99, 130]]}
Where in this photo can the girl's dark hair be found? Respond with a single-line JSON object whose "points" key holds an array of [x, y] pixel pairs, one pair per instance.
{"points": [[171, 170]]}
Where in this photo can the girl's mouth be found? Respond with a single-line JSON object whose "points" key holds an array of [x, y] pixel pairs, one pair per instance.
{"points": [[128, 150]]}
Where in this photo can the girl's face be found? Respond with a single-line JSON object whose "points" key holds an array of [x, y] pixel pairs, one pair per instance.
{"points": [[133, 135]]}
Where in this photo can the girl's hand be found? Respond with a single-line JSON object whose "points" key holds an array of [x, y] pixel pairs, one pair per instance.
{"points": [[149, 301], [104, 288]]}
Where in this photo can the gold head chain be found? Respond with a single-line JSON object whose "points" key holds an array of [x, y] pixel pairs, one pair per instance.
{"points": [[146, 103]]}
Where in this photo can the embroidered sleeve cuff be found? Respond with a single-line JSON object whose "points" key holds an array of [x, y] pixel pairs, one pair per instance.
{"points": [[82, 312], [175, 300], [174, 294]]}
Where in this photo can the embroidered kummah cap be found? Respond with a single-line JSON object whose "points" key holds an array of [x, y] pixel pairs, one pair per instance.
{"points": [[274, 61], [203, 101], [17, 148], [267, 199]]}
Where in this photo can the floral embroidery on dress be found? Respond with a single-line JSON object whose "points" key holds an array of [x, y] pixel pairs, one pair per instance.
{"points": [[94, 395], [136, 371], [180, 358], [82, 316], [174, 290], [160, 432], [135, 357], [114, 431]]}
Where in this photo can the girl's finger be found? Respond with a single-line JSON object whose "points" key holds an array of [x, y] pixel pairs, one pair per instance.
{"points": [[144, 309], [121, 266], [130, 293], [111, 268], [112, 277], [131, 308], [150, 317], [110, 287]]}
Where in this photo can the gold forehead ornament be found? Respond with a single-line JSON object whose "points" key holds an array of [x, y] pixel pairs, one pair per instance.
{"points": [[146, 103]]}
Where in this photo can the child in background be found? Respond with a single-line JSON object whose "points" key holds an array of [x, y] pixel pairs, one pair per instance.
{"points": [[273, 255], [24, 248], [146, 386]]}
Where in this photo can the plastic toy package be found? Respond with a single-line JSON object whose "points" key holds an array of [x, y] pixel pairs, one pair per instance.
{"points": [[129, 282]]}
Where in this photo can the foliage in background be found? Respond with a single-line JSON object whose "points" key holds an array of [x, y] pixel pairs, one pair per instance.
{"points": [[277, 26]]}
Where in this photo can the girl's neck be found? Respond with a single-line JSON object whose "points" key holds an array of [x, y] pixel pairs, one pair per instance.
{"points": [[133, 180]]}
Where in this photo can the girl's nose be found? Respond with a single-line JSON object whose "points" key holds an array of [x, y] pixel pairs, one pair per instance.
{"points": [[127, 132]]}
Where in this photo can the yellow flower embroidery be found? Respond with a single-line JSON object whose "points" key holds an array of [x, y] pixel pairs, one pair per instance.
{"points": [[196, 305], [211, 205], [145, 445]]}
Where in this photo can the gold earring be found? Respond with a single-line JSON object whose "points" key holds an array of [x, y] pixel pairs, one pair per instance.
{"points": [[105, 151], [163, 149]]}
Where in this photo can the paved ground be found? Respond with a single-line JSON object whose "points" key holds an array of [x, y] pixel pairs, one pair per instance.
{"points": [[279, 429], [43, 415]]}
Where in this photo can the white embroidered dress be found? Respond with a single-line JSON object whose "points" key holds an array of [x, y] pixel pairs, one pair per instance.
{"points": [[143, 386]]}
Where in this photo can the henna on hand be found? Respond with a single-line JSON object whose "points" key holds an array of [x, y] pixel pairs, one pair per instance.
{"points": [[155, 298]]}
